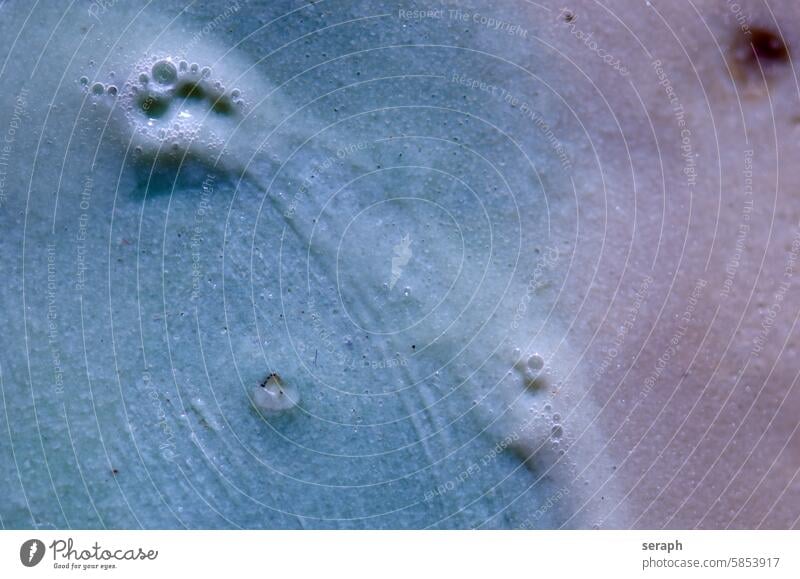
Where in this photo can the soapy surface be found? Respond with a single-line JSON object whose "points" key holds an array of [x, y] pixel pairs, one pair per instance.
{"points": [[372, 264]]}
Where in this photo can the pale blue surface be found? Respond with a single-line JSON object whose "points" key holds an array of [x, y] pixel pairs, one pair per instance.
{"points": [[154, 426]]}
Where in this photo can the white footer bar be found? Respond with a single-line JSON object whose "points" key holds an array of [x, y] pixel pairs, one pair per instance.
{"points": [[400, 554]]}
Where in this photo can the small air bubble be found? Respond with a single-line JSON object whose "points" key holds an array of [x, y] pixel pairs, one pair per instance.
{"points": [[535, 362], [112, 90], [84, 80], [164, 72], [98, 88]]}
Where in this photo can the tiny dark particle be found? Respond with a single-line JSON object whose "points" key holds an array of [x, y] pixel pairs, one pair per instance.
{"points": [[272, 377], [768, 46]]}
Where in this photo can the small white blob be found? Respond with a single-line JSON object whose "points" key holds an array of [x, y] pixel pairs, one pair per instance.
{"points": [[273, 395]]}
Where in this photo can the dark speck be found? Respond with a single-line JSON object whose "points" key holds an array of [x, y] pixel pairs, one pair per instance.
{"points": [[768, 46]]}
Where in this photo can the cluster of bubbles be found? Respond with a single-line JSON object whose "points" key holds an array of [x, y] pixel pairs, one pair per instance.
{"points": [[530, 367], [155, 103], [98, 88]]}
